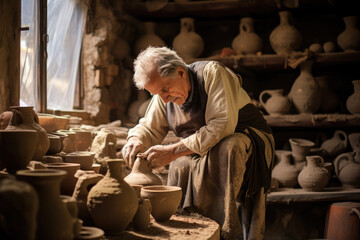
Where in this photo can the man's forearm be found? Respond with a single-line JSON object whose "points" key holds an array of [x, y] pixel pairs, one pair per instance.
{"points": [[179, 150]]}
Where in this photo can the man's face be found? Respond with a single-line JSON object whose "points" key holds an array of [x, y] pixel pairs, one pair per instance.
{"points": [[175, 90]]}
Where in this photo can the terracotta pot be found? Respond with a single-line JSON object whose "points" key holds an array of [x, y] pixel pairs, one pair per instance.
{"points": [[329, 100], [305, 92], [285, 38], [83, 139], [277, 103], [17, 148], [314, 176], [336, 145], [112, 203], [85, 159], [26, 118], [285, 172], [247, 41], [141, 174], [69, 181], [343, 221], [53, 219], [164, 200], [70, 143], [148, 39], [349, 39], [55, 144], [300, 149], [352, 103], [347, 170], [188, 44]]}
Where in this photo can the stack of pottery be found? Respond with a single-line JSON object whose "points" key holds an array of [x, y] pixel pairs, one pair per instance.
{"points": [[247, 41], [300, 149], [277, 103], [285, 172], [314, 176], [349, 39], [141, 174], [352, 103], [148, 39]]}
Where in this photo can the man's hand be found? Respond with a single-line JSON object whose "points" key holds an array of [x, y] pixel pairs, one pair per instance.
{"points": [[133, 146]]}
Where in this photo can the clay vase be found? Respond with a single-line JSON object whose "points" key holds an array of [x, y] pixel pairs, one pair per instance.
{"points": [[55, 144], [353, 101], [247, 41], [336, 145], [347, 170], [164, 200], [300, 149], [314, 176], [85, 159], [53, 219], [17, 148], [112, 203], [26, 118], [285, 38], [285, 172], [148, 39], [18, 209], [188, 44], [69, 181], [83, 139], [70, 143], [305, 92], [354, 139], [329, 100], [141, 174], [349, 40], [277, 103]]}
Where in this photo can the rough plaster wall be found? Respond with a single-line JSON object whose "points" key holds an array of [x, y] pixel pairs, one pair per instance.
{"points": [[9, 53]]}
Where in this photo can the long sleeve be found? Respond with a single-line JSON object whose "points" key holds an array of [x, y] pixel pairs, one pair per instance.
{"points": [[153, 127], [225, 98]]}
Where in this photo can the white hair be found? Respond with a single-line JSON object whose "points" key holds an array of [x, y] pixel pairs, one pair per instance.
{"points": [[162, 59]]}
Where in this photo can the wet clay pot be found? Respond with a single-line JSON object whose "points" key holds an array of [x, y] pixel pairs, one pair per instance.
{"points": [[112, 203], [285, 172], [25, 118], [17, 148], [164, 200], [141, 174], [247, 41], [349, 39], [53, 219], [314, 176], [347, 170], [277, 103], [69, 181], [353, 101], [336, 145], [148, 39], [300, 149]]}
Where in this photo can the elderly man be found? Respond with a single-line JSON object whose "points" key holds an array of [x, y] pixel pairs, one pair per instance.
{"points": [[226, 152]]}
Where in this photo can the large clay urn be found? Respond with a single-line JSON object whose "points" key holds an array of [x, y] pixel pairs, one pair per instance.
{"points": [[347, 170], [305, 92], [349, 39], [285, 38], [148, 39], [141, 174], [335, 145], [26, 118], [285, 172], [188, 44], [53, 219], [112, 202], [247, 41], [353, 101], [314, 176], [276, 103]]}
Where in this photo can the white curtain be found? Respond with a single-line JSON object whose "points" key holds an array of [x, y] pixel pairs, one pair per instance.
{"points": [[29, 55], [66, 20]]}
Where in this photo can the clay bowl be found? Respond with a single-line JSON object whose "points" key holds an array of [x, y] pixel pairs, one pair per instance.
{"points": [[85, 159], [164, 200]]}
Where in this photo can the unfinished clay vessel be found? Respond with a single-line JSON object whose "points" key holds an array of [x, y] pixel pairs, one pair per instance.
{"points": [[285, 172], [353, 101], [164, 200], [53, 219], [188, 44], [336, 145], [69, 181], [85, 159], [112, 203], [305, 92], [26, 118], [141, 174], [285, 38], [349, 39], [347, 170], [300, 149], [277, 103], [314, 176], [148, 39], [247, 41]]}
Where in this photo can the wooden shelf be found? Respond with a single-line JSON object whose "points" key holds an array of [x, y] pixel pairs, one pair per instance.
{"points": [[313, 120]]}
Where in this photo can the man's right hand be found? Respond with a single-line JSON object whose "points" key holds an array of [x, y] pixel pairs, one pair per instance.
{"points": [[132, 147]]}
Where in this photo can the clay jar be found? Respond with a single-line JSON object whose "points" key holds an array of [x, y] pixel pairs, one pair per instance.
{"points": [[69, 143], [112, 203], [83, 139], [148, 39], [336, 145], [164, 200], [285, 172], [349, 40], [353, 101], [285, 38], [277, 103], [305, 92], [53, 219], [247, 41], [55, 144], [188, 44], [347, 170], [26, 118], [314, 176], [85, 159], [17, 148], [69, 181], [300, 149], [141, 174]]}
